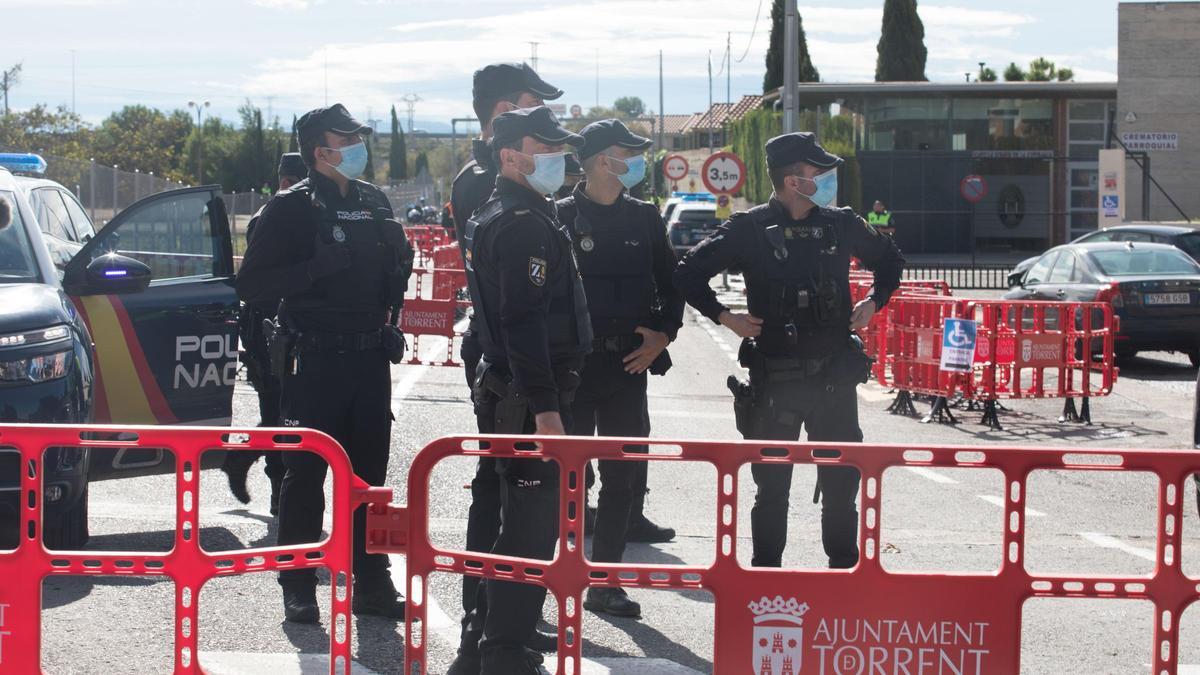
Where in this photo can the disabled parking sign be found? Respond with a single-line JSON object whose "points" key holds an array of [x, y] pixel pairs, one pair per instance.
{"points": [[958, 345]]}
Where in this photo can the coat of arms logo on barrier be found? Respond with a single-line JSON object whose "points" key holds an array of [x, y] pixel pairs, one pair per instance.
{"points": [[778, 636]]}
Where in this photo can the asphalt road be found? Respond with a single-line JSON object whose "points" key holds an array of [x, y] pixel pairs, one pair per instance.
{"points": [[944, 519]]}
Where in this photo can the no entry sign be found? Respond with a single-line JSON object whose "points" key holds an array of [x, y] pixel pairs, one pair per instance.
{"points": [[973, 188], [675, 167], [723, 173]]}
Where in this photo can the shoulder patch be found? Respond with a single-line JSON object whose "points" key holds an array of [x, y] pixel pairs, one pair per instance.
{"points": [[537, 272]]}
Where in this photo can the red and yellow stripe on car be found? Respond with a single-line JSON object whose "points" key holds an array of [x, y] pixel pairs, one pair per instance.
{"points": [[126, 391]]}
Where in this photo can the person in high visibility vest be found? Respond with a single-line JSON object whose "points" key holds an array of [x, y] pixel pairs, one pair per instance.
{"points": [[881, 219]]}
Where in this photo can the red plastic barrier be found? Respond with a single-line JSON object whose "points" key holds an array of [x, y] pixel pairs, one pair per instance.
{"points": [[878, 336], [768, 618], [432, 310], [24, 569]]}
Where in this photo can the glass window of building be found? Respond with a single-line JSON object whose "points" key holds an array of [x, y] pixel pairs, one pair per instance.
{"points": [[907, 124], [1004, 124]]}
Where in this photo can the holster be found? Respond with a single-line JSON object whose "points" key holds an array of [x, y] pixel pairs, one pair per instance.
{"points": [[744, 400], [851, 366], [394, 343], [512, 409], [281, 343]]}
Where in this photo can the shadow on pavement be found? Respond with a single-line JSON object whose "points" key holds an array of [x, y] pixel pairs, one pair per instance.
{"points": [[649, 640], [58, 591]]}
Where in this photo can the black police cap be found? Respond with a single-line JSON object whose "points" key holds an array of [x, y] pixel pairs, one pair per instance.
{"points": [[537, 122], [574, 168], [335, 118], [800, 146], [292, 164], [503, 79], [606, 133]]}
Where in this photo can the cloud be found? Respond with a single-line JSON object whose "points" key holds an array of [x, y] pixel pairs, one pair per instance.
{"points": [[281, 4], [12, 4]]}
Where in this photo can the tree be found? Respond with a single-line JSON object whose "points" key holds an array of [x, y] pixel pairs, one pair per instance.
{"points": [[146, 139], [397, 153], [774, 77], [1013, 73], [421, 165], [901, 46], [253, 166], [987, 75], [1041, 69], [293, 142], [9, 79], [632, 106], [58, 133], [1065, 75]]}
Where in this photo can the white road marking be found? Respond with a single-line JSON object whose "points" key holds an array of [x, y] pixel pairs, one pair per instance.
{"points": [[436, 620], [932, 475], [999, 501], [1106, 541], [237, 663]]}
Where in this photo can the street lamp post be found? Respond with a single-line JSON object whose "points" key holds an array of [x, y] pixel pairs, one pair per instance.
{"points": [[199, 138]]}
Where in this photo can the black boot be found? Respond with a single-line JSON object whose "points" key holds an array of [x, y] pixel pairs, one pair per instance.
{"points": [[612, 601], [511, 661], [542, 642], [378, 597], [643, 531], [276, 487], [300, 602]]}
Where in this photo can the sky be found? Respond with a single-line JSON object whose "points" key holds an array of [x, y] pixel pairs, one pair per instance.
{"points": [[288, 56]]}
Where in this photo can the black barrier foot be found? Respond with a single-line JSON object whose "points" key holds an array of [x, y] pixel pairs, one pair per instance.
{"points": [[1069, 413], [1085, 411], [991, 415], [903, 405], [940, 412]]}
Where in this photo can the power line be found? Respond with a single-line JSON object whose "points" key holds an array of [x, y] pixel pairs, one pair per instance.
{"points": [[410, 102], [757, 16]]}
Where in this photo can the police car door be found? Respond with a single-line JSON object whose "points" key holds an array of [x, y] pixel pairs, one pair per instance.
{"points": [[166, 354]]}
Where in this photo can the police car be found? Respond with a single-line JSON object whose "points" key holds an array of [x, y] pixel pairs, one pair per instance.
{"points": [[136, 326], [64, 222]]}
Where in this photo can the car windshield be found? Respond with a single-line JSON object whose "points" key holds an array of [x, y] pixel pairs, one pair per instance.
{"points": [[698, 218], [16, 253], [1162, 262]]}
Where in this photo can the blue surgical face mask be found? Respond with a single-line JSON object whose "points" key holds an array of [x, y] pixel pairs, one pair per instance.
{"points": [[549, 172], [635, 170], [827, 189], [354, 160]]}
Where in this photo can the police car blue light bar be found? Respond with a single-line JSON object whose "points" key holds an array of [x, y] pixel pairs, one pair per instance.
{"points": [[694, 196], [21, 162]]}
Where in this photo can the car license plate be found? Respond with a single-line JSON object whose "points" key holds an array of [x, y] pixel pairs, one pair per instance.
{"points": [[1168, 298]]}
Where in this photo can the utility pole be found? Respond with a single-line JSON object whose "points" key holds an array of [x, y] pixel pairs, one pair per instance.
{"points": [[326, 77], [410, 102], [728, 82], [791, 67], [72, 83], [533, 60], [597, 77], [661, 114], [710, 109], [199, 139]]}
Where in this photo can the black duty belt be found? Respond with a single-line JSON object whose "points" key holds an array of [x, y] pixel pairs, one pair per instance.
{"points": [[616, 343], [344, 342]]}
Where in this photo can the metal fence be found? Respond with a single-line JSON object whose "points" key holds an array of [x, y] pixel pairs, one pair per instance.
{"points": [[104, 191], [965, 276]]}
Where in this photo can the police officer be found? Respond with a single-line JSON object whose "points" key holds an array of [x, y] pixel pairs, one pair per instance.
{"points": [[573, 172], [331, 248], [881, 219], [496, 89], [258, 364], [534, 330], [626, 263], [804, 367]]}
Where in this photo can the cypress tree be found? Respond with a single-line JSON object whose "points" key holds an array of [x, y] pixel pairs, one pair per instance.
{"points": [[901, 47], [421, 164], [369, 172], [397, 153], [774, 77], [293, 142]]}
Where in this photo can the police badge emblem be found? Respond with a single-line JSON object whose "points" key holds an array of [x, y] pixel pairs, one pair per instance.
{"points": [[537, 272], [587, 244], [339, 234]]}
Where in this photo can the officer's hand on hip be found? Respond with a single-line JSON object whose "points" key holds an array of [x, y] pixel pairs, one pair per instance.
{"points": [[549, 424], [328, 259], [653, 343], [861, 316], [743, 325]]}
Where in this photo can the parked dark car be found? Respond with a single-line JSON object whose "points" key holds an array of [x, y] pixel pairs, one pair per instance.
{"points": [[1186, 239], [691, 223], [138, 327], [1154, 290]]}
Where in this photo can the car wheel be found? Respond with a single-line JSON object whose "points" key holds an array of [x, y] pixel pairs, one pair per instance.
{"points": [[69, 532]]}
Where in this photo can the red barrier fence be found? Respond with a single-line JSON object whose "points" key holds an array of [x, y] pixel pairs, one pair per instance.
{"points": [[431, 310], [24, 569], [767, 620]]}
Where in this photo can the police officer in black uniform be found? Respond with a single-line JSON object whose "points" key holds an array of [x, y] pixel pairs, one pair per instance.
{"points": [[626, 262], [258, 363], [331, 248], [496, 89], [534, 330], [804, 366]]}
